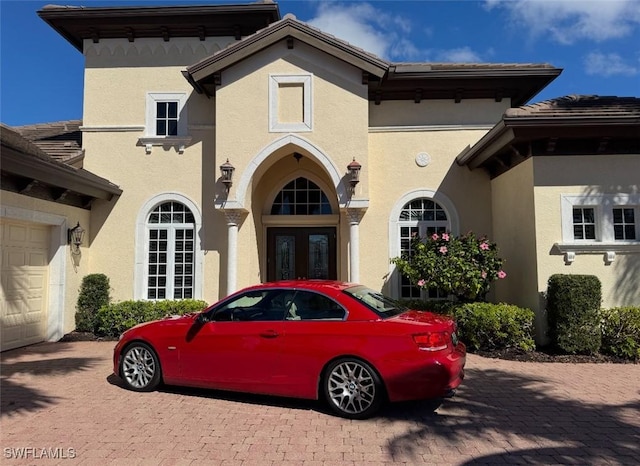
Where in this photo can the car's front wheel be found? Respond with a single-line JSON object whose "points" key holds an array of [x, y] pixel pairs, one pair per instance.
{"points": [[352, 388], [140, 367]]}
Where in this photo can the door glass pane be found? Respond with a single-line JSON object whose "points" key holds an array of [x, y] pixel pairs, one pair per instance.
{"points": [[319, 256], [285, 257]]}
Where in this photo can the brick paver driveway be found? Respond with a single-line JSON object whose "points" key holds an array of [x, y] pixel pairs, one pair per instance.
{"points": [[60, 400]]}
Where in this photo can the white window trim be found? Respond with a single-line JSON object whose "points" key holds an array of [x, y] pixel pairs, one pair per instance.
{"points": [[142, 245], [150, 139], [274, 84], [395, 223], [605, 242]]}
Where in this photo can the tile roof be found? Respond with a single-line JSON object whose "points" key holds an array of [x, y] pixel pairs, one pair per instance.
{"points": [[26, 155], [61, 140], [579, 106]]}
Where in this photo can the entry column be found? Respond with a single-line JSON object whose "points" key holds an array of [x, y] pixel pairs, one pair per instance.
{"points": [[354, 216], [233, 217]]}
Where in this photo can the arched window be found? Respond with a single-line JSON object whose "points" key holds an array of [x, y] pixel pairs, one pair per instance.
{"points": [[301, 197], [422, 217], [171, 252]]}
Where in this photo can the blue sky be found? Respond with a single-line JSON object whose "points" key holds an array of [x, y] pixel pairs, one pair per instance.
{"points": [[597, 43]]}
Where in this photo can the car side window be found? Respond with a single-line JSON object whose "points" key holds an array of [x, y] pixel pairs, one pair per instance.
{"points": [[307, 305], [254, 306]]}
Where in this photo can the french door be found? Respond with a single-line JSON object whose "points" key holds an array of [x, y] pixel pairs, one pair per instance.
{"points": [[301, 253]]}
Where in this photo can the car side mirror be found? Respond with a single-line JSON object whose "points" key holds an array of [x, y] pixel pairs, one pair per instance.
{"points": [[202, 318]]}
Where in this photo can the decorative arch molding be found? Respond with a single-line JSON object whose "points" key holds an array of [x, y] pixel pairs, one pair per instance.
{"points": [[318, 154], [142, 247], [394, 239]]}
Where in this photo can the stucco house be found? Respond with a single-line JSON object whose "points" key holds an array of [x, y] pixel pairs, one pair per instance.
{"points": [[223, 145]]}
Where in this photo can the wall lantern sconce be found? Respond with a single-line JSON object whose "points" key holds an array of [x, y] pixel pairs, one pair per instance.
{"points": [[354, 174], [226, 172], [75, 236]]}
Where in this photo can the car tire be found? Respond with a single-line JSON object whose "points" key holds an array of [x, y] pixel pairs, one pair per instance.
{"points": [[352, 388], [140, 367]]}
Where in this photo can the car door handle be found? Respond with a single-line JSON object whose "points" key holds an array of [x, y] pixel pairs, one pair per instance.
{"points": [[269, 334]]}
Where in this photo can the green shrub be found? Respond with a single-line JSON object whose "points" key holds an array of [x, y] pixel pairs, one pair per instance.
{"points": [[114, 319], [486, 326], [621, 332], [573, 305], [94, 293]]}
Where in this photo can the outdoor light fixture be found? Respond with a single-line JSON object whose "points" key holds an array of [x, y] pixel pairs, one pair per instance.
{"points": [[74, 238], [354, 174], [226, 172]]}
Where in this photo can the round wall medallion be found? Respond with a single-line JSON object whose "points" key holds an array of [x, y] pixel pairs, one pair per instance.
{"points": [[423, 159]]}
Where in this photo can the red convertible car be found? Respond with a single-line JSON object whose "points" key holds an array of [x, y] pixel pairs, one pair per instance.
{"points": [[341, 342]]}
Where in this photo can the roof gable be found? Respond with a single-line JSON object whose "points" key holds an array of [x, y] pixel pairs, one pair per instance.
{"points": [[204, 75]]}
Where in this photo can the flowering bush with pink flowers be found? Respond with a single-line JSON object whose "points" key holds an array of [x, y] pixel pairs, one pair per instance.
{"points": [[463, 266]]}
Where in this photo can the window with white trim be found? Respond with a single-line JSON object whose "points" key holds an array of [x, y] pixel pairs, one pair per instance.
{"points": [[166, 121], [171, 252], [422, 217], [584, 223], [167, 118], [600, 219], [625, 227], [166, 114]]}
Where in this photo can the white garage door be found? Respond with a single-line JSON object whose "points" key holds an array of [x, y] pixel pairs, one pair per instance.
{"points": [[24, 283]]}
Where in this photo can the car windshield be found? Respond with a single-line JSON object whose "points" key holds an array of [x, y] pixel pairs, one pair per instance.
{"points": [[382, 305]]}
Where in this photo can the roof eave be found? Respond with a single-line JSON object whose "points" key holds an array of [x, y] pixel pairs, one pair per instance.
{"points": [[64, 177]]}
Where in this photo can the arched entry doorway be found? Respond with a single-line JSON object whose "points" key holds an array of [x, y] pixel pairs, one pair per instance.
{"points": [[303, 248]]}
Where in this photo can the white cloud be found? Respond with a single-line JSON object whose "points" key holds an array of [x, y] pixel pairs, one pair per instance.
{"points": [[367, 27], [612, 64], [567, 21], [378, 32], [459, 55]]}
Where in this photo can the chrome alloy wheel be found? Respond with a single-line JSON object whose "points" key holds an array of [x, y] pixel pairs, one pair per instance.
{"points": [[139, 367], [351, 387]]}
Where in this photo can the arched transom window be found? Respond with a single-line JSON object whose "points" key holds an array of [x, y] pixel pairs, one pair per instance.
{"points": [[171, 256], [422, 217], [301, 197]]}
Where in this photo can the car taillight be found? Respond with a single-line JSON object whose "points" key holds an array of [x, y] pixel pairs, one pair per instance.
{"points": [[434, 341]]}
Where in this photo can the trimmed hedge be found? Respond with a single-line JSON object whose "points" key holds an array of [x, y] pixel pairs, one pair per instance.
{"points": [[113, 319], [621, 332], [573, 306], [485, 326], [94, 293]]}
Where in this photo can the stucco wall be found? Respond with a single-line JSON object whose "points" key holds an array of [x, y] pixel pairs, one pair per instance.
{"points": [[515, 229], [586, 175], [65, 270], [116, 87], [437, 113], [393, 173]]}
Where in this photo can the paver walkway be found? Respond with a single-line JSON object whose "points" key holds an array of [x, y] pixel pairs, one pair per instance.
{"points": [[60, 400]]}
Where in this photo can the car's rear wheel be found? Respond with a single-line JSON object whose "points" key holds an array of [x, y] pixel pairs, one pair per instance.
{"points": [[140, 367], [352, 388]]}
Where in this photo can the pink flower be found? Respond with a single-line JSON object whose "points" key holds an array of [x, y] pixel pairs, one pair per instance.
{"points": [[484, 274], [421, 282], [484, 246], [434, 236], [445, 236], [502, 274], [443, 249]]}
